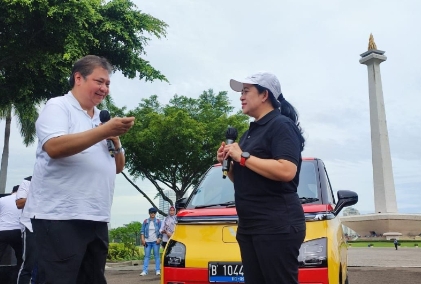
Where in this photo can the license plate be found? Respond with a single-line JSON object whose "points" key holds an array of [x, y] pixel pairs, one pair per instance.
{"points": [[228, 272]]}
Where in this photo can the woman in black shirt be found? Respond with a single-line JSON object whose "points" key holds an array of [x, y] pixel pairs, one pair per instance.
{"points": [[265, 172]]}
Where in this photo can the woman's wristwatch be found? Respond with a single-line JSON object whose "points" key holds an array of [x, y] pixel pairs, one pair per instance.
{"points": [[244, 157]]}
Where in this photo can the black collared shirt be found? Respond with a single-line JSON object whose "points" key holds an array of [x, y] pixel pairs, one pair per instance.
{"points": [[265, 206]]}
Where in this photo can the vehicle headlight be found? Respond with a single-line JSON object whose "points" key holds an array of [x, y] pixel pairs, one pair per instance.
{"points": [[175, 254], [313, 253]]}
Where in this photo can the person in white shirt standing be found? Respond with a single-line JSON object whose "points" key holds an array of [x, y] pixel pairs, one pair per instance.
{"points": [[28, 237], [72, 186], [10, 228], [151, 239], [168, 226]]}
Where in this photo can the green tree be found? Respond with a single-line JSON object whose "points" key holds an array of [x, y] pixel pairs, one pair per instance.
{"points": [[173, 145], [41, 39], [26, 117], [128, 236]]}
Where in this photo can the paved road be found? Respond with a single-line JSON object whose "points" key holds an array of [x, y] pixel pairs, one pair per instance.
{"points": [[385, 257], [382, 275], [367, 266]]}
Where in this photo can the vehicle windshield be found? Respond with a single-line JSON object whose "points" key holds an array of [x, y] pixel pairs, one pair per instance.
{"points": [[214, 191]]}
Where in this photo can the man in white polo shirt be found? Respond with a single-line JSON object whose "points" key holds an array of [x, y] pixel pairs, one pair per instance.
{"points": [[72, 185]]}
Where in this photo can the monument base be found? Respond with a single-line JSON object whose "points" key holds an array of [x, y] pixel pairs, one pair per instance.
{"points": [[381, 223]]}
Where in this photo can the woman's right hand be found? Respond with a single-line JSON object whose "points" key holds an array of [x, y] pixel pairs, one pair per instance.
{"points": [[220, 153]]}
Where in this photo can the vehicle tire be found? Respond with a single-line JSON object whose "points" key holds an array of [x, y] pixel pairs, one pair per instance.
{"points": [[340, 277], [346, 280]]}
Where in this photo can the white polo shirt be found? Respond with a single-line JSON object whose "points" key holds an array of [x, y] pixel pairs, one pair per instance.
{"points": [[23, 193], [75, 187], [9, 213]]}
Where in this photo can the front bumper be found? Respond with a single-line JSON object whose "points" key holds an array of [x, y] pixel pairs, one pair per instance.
{"points": [[200, 275]]}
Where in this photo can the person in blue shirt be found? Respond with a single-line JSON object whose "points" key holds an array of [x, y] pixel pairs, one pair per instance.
{"points": [[151, 239]]}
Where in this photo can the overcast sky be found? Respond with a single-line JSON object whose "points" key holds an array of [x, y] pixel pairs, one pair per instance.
{"points": [[314, 48]]}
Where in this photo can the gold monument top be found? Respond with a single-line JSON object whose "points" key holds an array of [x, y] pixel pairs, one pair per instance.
{"points": [[372, 52], [371, 43]]}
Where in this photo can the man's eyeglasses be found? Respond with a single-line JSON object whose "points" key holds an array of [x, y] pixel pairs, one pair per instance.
{"points": [[152, 212]]}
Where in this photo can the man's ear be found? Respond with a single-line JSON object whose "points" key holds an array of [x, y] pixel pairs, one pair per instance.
{"points": [[78, 78]]}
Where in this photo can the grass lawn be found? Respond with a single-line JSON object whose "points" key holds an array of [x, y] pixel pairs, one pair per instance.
{"points": [[382, 244]]}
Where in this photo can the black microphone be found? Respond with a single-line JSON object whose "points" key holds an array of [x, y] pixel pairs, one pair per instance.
{"points": [[104, 116], [230, 135]]}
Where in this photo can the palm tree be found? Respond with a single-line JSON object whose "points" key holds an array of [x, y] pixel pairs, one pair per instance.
{"points": [[26, 115]]}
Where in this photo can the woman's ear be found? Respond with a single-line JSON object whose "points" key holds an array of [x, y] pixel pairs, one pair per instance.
{"points": [[265, 96]]}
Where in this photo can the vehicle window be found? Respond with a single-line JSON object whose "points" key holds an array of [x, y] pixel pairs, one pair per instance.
{"points": [[308, 181], [330, 195], [213, 189]]}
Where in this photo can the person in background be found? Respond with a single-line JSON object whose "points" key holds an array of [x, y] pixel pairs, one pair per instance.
{"points": [[151, 238], [27, 272], [265, 171], [395, 242], [10, 230], [72, 186], [168, 226]]}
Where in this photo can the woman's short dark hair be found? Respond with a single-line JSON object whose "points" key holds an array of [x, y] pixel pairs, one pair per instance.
{"points": [[286, 109], [86, 65]]}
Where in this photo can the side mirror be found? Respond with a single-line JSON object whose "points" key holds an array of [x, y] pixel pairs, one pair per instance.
{"points": [[181, 203], [345, 198]]}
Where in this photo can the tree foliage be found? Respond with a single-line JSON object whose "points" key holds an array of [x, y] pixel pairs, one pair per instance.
{"points": [[128, 236], [127, 233], [41, 39], [26, 116], [173, 145]]}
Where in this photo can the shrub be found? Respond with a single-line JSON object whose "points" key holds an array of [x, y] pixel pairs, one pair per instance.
{"points": [[125, 240], [119, 252]]}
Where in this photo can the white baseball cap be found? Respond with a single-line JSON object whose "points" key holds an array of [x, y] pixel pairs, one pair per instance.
{"points": [[264, 79]]}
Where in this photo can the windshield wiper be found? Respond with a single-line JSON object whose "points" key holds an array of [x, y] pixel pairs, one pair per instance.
{"points": [[227, 204], [305, 200]]}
